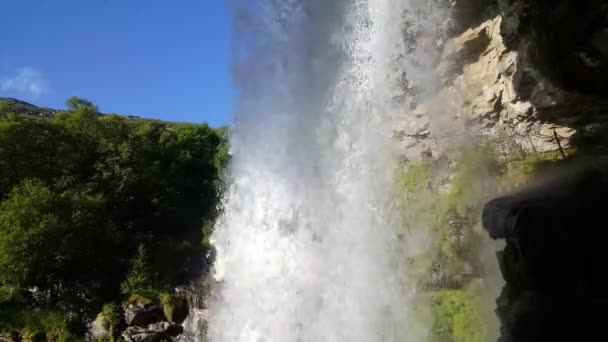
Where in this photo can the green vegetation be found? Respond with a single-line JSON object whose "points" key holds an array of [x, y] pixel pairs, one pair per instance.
{"points": [[457, 317], [415, 178], [518, 169], [76, 103], [139, 279], [476, 170], [445, 198], [137, 298], [40, 325], [171, 304], [99, 208], [111, 318]]}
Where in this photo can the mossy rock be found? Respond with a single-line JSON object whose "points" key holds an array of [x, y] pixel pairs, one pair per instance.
{"points": [[414, 178], [139, 299], [457, 316], [175, 307]]}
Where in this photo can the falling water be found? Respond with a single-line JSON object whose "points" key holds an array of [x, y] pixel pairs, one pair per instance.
{"points": [[306, 241]]}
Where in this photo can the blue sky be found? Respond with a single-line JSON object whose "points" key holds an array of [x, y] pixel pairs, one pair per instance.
{"points": [[166, 59]]}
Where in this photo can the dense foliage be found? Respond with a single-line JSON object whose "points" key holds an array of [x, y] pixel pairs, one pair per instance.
{"points": [[94, 207]]}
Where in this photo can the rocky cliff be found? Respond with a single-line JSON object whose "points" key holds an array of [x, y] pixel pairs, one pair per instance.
{"points": [[519, 94], [526, 79], [527, 72]]}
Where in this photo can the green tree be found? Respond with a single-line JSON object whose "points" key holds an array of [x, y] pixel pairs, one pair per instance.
{"points": [[81, 122], [51, 241], [222, 156], [76, 103], [38, 148], [140, 278], [31, 227]]}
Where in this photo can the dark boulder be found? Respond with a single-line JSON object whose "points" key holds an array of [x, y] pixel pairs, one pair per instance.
{"points": [[141, 314], [553, 261]]}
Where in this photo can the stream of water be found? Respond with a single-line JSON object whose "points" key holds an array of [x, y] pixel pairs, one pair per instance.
{"points": [[307, 237]]}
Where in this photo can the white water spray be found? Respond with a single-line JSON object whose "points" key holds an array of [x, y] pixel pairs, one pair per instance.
{"points": [[306, 240]]}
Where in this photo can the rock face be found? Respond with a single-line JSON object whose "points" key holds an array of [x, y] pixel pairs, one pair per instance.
{"points": [[180, 310], [498, 93], [530, 77], [96, 330], [500, 79], [140, 314]]}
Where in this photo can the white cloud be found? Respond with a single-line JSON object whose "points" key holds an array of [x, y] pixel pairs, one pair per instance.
{"points": [[26, 81]]}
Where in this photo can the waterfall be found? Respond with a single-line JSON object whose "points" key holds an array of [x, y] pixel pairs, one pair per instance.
{"points": [[307, 238]]}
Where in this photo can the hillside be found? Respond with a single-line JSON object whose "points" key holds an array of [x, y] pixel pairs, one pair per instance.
{"points": [[98, 212], [24, 108]]}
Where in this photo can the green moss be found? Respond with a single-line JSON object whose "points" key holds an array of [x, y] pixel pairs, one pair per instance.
{"points": [[457, 317], [168, 303], [450, 213], [172, 306], [478, 172], [520, 170], [137, 298], [537, 160], [476, 167], [415, 177]]}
